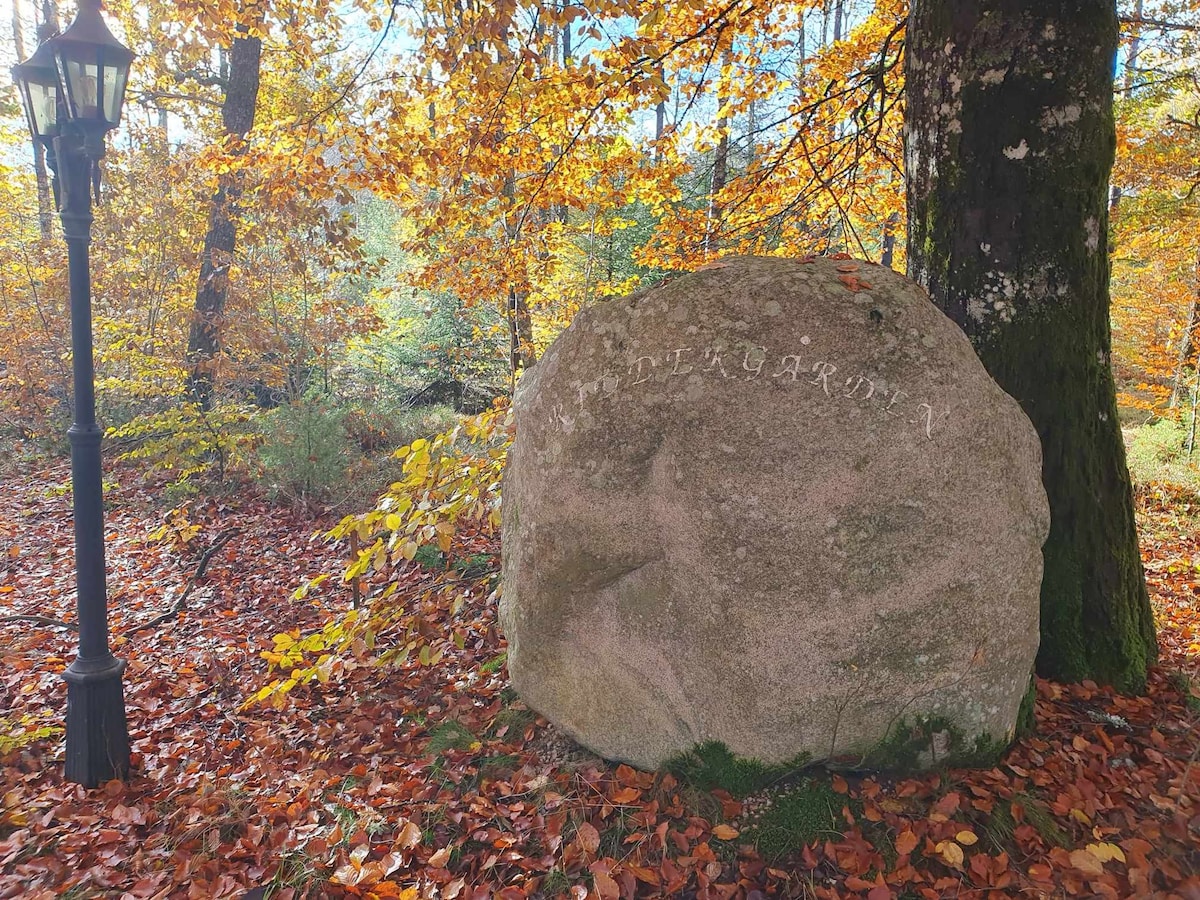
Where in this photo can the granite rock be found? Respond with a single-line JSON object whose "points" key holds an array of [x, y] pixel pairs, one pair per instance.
{"points": [[774, 503]]}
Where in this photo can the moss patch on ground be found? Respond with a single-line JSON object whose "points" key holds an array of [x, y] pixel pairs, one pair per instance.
{"points": [[785, 809]]}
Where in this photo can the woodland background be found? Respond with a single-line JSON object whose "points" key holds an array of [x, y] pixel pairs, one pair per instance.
{"points": [[334, 230]]}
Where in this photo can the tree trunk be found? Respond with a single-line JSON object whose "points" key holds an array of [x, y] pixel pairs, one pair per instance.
{"points": [[1187, 344], [888, 255], [1115, 192], [720, 169], [521, 353], [241, 71], [1007, 178]]}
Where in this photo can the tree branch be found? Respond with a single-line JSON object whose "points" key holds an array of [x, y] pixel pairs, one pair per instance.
{"points": [[41, 620], [1158, 23], [201, 566]]}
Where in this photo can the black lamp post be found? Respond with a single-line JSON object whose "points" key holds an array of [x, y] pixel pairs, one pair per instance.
{"points": [[73, 88]]}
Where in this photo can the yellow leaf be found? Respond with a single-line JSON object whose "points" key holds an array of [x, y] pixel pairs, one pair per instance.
{"points": [[950, 852], [966, 838], [1080, 816], [725, 832], [1105, 851]]}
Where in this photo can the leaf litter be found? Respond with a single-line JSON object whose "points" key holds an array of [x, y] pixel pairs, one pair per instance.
{"points": [[434, 781]]}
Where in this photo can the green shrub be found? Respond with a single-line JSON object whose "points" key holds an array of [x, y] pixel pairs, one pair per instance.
{"points": [[305, 454], [189, 443]]}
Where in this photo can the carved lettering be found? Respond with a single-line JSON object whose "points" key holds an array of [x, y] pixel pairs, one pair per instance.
{"points": [[715, 362], [755, 371], [678, 354], [926, 411], [859, 381], [787, 367], [565, 423], [649, 369], [754, 363], [823, 371]]}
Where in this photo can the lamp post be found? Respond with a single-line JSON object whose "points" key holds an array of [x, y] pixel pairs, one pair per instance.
{"points": [[73, 87]]}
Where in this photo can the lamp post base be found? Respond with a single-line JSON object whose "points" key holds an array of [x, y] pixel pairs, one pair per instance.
{"points": [[97, 734]]}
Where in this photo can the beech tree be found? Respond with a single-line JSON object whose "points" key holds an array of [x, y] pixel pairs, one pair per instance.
{"points": [[1009, 144], [240, 81]]}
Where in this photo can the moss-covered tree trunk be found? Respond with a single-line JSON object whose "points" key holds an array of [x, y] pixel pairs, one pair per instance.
{"points": [[1009, 144]]}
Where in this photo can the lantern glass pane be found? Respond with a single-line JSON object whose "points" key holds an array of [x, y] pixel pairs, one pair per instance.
{"points": [[114, 92], [82, 81], [42, 103]]}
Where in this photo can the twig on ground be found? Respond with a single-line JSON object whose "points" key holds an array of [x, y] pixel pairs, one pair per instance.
{"points": [[201, 566], [41, 620]]}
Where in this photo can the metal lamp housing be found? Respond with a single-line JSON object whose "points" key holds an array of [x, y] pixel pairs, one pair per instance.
{"points": [[37, 80], [93, 69]]}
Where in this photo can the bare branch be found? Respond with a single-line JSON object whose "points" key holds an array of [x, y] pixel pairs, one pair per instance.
{"points": [[201, 567], [1158, 23], [41, 620]]}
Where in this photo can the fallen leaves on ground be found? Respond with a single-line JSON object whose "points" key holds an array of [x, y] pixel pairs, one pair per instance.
{"points": [[434, 781]]}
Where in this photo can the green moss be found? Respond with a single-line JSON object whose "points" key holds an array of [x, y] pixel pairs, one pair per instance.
{"points": [[1026, 717], [712, 765], [474, 566], [796, 813], [428, 556], [932, 742], [1183, 682], [494, 665], [807, 811]]}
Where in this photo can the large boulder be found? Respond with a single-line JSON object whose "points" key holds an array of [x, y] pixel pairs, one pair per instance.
{"points": [[777, 504]]}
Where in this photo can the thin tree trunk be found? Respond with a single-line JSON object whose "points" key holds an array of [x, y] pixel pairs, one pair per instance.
{"points": [[720, 170], [1007, 212], [521, 352], [1187, 343], [1135, 48], [566, 39], [520, 332], [888, 256], [1115, 191], [1191, 438], [241, 67]]}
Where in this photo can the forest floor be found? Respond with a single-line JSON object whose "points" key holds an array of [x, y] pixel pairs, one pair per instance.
{"points": [[433, 781]]}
